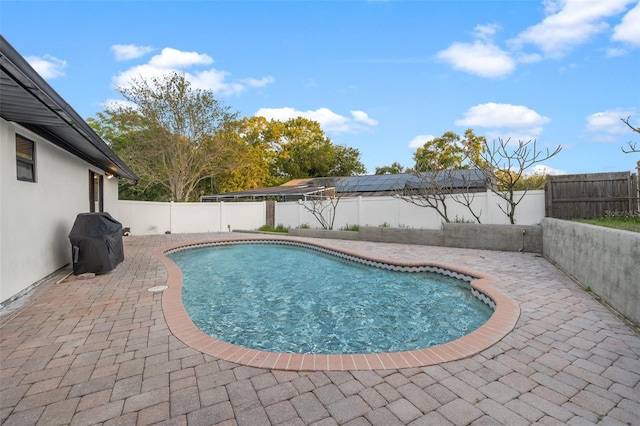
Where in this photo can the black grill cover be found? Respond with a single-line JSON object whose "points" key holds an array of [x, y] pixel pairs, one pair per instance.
{"points": [[96, 243]]}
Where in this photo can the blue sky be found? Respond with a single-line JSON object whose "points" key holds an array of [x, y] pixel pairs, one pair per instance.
{"points": [[380, 76]]}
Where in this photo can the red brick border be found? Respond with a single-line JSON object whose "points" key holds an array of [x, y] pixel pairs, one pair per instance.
{"points": [[499, 324]]}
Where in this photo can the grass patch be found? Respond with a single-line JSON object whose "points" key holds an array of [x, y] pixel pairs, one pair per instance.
{"points": [[269, 228], [462, 220], [617, 222], [348, 227]]}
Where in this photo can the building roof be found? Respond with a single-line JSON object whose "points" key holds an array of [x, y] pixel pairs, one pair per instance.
{"points": [[27, 99], [366, 185], [297, 189]]}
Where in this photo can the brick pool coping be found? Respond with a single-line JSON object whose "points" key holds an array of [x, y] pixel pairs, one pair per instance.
{"points": [[501, 322]]}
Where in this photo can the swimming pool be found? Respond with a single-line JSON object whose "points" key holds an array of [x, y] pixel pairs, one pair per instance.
{"points": [[296, 299], [502, 321]]}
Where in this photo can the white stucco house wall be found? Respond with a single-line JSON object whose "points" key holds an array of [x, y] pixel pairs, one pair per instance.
{"points": [[52, 167]]}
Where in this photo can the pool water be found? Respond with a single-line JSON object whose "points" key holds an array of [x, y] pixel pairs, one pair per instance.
{"points": [[291, 299]]}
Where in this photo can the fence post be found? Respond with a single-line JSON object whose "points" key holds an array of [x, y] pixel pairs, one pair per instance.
{"points": [[396, 218], [171, 216], [275, 212], [487, 209], [548, 197], [491, 207], [637, 187], [221, 224], [270, 212]]}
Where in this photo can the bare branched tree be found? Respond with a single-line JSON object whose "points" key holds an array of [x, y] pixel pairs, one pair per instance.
{"points": [[633, 147], [434, 189], [428, 189], [171, 134], [467, 195], [323, 206], [505, 165]]}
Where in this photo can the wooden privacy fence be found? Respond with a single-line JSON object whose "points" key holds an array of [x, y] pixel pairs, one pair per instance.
{"points": [[592, 195]]}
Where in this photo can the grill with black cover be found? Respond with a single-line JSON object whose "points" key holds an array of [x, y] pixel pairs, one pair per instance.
{"points": [[96, 243]]}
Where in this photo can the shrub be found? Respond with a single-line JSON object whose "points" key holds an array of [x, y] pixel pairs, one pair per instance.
{"points": [[269, 228], [462, 220]]}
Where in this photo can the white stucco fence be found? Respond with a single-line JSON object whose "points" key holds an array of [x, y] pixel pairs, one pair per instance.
{"points": [[397, 213], [146, 218]]}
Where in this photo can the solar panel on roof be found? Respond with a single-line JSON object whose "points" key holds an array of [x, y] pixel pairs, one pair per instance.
{"points": [[372, 183], [381, 183], [470, 178]]}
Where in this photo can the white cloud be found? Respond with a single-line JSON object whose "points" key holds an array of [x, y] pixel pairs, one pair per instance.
{"points": [[480, 58], [484, 57], [173, 60], [115, 104], [528, 58], [216, 81], [513, 137], [607, 126], [505, 121], [49, 67], [258, 82], [363, 117], [628, 30], [502, 115], [329, 120], [608, 121], [124, 52], [420, 140], [569, 23], [486, 32], [616, 51], [541, 169], [139, 72]]}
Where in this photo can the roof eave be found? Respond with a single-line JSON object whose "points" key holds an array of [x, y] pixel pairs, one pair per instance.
{"points": [[24, 75]]}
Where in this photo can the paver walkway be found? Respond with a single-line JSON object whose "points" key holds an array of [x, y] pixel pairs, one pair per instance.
{"points": [[99, 351]]}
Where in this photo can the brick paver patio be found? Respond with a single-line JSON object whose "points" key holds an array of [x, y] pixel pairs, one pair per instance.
{"points": [[99, 351]]}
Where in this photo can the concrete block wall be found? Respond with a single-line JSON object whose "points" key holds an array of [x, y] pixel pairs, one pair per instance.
{"points": [[462, 235], [605, 260], [523, 238]]}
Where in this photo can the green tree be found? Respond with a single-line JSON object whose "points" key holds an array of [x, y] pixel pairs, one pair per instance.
{"points": [[347, 162], [440, 153], [474, 147], [434, 179], [394, 169], [119, 131], [253, 157], [269, 153], [301, 149], [449, 151], [532, 181], [171, 135]]}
